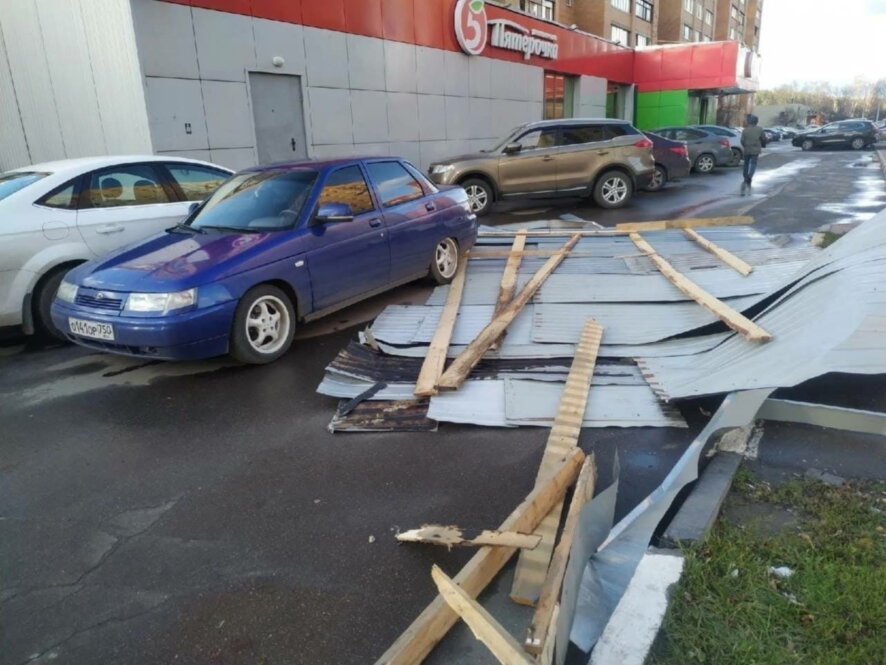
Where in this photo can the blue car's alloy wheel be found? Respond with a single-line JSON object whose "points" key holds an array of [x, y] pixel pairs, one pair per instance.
{"points": [[264, 325], [445, 263]]}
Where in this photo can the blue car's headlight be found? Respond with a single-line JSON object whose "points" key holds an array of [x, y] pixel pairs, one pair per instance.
{"points": [[66, 291], [161, 302]]}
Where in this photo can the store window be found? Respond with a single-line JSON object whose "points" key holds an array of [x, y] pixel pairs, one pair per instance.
{"points": [[687, 32], [708, 17], [623, 5], [643, 9], [559, 95], [642, 40], [619, 35], [541, 8]]}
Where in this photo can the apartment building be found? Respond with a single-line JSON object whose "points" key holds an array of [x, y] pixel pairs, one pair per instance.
{"points": [[686, 21], [627, 22]]}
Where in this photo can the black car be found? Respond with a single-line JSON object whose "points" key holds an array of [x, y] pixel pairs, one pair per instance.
{"points": [[671, 161], [855, 134]]}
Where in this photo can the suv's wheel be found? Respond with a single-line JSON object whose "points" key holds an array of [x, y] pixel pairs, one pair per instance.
{"points": [[659, 179], [736, 157], [445, 263], [857, 143], [264, 325], [43, 298], [613, 189], [479, 195], [807, 145], [704, 163]]}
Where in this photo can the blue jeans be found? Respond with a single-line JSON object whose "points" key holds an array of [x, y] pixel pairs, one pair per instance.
{"points": [[750, 166]]}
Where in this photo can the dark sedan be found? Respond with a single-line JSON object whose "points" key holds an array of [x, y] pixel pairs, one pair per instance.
{"points": [[855, 134], [706, 150], [671, 161]]}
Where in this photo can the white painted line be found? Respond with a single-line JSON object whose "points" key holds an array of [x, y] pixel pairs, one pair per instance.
{"points": [[628, 636]]}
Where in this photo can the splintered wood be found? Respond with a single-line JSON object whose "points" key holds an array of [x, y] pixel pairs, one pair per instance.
{"points": [[437, 618], [725, 256], [533, 564], [735, 320], [448, 536], [509, 281], [432, 367], [458, 371]]}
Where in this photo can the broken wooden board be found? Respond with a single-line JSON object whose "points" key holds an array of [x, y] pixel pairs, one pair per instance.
{"points": [[688, 223], [508, 282], [458, 371], [482, 624], [539, 637], [432, 368], [448, 536], [533, 565], [437, 618], [725, 256], [735, 320]]}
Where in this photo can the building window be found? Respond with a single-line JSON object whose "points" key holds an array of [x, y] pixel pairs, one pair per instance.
{"points": [[619, 35], [687, 5], [705, 38], [698, 10], [540, 8], [643, 9], [731, 33], [741, 17], [559, 92], [734, 12], [623, 5], [642, 40], [687, 32], [708, 17]]}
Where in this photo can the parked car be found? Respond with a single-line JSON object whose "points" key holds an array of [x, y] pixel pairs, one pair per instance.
{"points": [[771, 134], [706, 150], [59, 214], [671, 161], [273, 246], [731, 135], [601, 158], [855, 134], [786, 132]]}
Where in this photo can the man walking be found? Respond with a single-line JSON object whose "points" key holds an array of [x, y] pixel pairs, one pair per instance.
{"points": [[752, 141]]}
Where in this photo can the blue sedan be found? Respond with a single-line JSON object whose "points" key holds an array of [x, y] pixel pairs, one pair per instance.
{"points": [[272, 246]]}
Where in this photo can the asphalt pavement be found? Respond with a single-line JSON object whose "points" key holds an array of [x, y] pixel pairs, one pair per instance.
{"points": [[201, 512]]}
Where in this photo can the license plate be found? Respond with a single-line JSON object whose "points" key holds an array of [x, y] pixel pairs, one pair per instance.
{"points": [[91, 329]]}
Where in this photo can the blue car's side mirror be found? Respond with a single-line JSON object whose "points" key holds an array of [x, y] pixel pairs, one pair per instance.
{"points": [[193, 207], [334, 212]]}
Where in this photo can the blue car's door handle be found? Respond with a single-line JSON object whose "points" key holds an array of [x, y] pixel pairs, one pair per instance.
{"points": [[375, 222], [430, 207]]}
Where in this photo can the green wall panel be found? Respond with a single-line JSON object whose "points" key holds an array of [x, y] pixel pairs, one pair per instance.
{"points": [[661, 108]]}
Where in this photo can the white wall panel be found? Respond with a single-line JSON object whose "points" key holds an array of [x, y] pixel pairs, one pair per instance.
{"points": [[228, 115], [403, 121], [172, 104], [431, 64], [431, 151], [330, 110], [13, 145], [234, 158], [327, 58], [366, 63], [372, 149], [456, 74], [333, 150], [275, 38], [400, 67], [409, 150], [457, 118], [479, 118], [432, 117], [369, 109], [203, 155], [165, 36], [225, 48], [479, 73]]}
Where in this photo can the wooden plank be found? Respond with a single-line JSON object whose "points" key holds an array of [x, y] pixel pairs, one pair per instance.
{"points": [[546, 657], [539, 638], [725, 256], [437, 534], [435, 359], [686, 223], [735, 320], [533, 565], [484, 626], [509, 282], [458, 371], [437, 618]]}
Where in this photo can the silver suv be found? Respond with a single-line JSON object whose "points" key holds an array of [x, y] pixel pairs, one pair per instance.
{"points": [[601, 158]]}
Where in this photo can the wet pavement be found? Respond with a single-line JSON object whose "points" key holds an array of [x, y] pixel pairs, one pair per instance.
{"points": [[201, 512]]}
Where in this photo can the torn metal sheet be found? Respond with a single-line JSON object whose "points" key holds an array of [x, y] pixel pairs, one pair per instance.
{"points": [[404, 416], [505, 351], [610, 569], [824, 415], [701, 261]]}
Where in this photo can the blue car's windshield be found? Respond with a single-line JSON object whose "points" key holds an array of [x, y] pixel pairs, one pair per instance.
{"points": [[257, 201], [10, 183]]}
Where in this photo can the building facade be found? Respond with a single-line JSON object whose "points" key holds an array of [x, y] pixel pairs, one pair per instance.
{"points": [[686, 21]]}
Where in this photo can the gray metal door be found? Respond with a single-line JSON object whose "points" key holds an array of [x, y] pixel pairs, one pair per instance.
{"points": [[279, 118]]}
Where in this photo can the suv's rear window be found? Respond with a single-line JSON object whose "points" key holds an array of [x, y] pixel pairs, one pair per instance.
{"points": [[622, 130], [10, 183], [577, 134]]}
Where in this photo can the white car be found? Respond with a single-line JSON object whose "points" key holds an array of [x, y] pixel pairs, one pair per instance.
{"points": [[56, 215], [731, 135]]}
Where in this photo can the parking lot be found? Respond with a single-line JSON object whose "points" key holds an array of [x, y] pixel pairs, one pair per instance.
{"points": [[201, 512]]}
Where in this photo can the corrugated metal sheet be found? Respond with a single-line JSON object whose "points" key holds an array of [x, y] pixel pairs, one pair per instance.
{"points": [[405, 416], [507, 350]]}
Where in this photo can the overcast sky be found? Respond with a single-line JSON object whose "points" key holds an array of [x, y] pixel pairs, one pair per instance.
{"points": [[813, 40]]}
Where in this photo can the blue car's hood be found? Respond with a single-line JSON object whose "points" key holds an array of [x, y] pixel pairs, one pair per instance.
{"points": [[171, 261]]}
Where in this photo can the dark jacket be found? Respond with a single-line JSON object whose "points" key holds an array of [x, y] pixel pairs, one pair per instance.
{"points": [[752, 140]]}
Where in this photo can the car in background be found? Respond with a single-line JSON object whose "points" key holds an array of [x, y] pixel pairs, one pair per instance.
{"points": [[273, 246], [671, 161], [855, 134], [599, 158], [787, 132], [730, 134], [59, 214], [771, 134], [706, 150]]}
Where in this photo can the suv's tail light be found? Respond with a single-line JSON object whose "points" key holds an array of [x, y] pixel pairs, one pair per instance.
{"points": [[724, 142], [680, 150], [643, 143]]}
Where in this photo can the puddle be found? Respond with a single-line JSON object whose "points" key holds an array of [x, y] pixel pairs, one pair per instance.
{"points": [[867, 200]]}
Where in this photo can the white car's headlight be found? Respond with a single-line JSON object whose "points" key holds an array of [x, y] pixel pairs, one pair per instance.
{"points": [[441, 168], [66, 291], [161, 302]]}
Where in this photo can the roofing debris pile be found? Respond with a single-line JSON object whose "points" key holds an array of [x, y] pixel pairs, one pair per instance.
{"points": [[571, 328]]}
